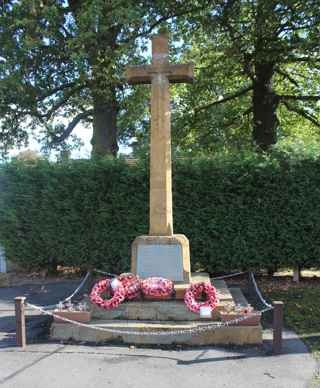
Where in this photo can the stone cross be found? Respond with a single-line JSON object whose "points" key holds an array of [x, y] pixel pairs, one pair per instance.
{"points": [[160, 73]]}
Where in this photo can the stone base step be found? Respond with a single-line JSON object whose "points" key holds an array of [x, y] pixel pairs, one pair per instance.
{"points": [[235, 335], [165, 310]]}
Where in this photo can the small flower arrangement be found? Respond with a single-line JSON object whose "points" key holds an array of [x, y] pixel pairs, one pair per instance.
{"points": [[245, 313], [78, 312], [69, 306]]}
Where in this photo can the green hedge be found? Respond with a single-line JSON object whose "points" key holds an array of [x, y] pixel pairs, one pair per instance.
{"points": [[238, 213]]}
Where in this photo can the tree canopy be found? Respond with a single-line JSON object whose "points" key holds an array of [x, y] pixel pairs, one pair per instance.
{"points": [[257, 71], [62, 63]]}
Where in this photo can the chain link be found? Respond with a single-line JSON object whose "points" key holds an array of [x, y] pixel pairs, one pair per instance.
{"points": [[195, 330], [75, 292], [108, 274], [252, 278], [228, 276]]}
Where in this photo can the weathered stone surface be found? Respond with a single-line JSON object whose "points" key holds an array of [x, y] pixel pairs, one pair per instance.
{"points": [[171, 310], [224, 335], [176, 73]]}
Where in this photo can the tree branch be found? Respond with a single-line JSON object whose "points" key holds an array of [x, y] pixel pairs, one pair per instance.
{"points": [[303, 59], [49, 93], [63, 100], [176, 13], [298, 98], [302, 113], [237, 94], [287, 76], [67, 132], [236, 117]]}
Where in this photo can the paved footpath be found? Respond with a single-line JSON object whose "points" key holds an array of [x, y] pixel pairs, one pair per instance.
{"points": [[57, 365]]}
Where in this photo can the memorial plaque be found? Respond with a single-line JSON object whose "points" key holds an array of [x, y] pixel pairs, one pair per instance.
{"points": [[160, 260]]}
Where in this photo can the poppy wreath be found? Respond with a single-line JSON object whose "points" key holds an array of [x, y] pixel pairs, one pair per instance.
{"points": [[118, 294], [157, 287], [195, 290], [131, 284]]}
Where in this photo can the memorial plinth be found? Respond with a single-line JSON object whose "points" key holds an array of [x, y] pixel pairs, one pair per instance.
{"points": [[161, 316]]}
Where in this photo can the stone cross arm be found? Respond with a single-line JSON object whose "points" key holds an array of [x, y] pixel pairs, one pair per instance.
{"points": [[175, 73]]}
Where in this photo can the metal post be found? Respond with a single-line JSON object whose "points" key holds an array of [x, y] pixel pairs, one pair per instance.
{"points": [[277, 327], [20, 321]]}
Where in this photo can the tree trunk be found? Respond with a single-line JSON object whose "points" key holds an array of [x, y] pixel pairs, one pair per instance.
{"points": [[100, 48], [104, 138], [265, 103]]}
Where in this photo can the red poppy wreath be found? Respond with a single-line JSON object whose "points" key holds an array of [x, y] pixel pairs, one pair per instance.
{"points": [[194, 291], [131, 284], [157, 287], [116, 292]]}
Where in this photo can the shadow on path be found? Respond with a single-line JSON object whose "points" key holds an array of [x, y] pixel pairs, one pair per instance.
{"points": [[29, 365]]}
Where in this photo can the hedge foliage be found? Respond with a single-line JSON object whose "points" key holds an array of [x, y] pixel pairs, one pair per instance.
{"points": [[238, 212]]}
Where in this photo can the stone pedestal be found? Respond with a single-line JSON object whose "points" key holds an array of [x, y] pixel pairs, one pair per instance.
{"points": [[161, 317], [165, 256]]}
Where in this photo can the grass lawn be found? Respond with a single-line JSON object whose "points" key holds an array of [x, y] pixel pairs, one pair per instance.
{"points": [[302, 308]]}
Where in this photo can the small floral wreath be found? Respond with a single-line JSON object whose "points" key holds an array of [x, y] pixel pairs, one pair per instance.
{"points": [[157, 287], [131, 284], [117, 294], [195, 290]]}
